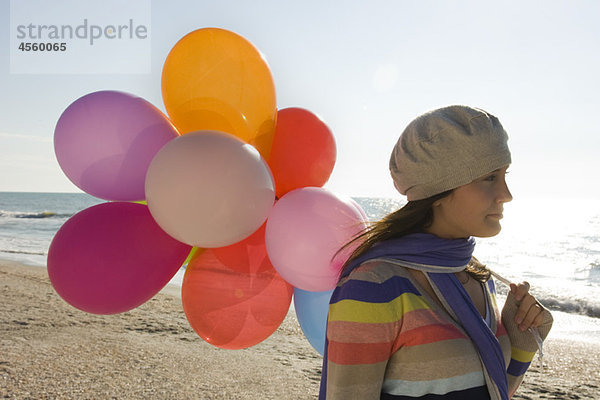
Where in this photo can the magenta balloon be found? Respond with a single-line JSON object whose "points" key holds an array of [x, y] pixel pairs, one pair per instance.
{"points": [[209, 189], [112, 257], [305, 229], [104, 142]]}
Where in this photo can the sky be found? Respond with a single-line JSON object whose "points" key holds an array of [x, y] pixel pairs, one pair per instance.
{"points": [[367, 69]]}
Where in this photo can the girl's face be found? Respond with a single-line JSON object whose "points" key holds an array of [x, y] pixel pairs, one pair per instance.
{"points": [[474, 209]]}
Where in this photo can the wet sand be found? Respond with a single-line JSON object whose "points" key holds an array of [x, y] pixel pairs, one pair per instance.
{"points": [[49, 350]]}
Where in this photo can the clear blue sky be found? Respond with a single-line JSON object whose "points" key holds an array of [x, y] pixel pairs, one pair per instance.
{"points": [[367, 68]]}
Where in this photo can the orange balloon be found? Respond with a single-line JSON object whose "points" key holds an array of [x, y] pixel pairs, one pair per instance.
{"points": [[232, 296], [214, 79], [303, 152]]}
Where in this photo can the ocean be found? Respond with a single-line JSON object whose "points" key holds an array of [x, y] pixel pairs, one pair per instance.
{"points": [[554, 244]]}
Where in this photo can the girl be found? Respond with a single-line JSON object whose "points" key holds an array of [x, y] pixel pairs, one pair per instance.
{"points": [[414, 314]]}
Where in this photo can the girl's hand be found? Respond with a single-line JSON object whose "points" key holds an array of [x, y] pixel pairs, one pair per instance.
{"points": [[530, 312]]}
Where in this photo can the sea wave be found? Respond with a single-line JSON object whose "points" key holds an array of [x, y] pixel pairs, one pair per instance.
{"points": [[571, 306], [32, 215], [35, 253]]}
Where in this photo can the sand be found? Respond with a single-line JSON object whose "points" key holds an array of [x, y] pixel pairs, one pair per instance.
{"points": [[50, 350]]}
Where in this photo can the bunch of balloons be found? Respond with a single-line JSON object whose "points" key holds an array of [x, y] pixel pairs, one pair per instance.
{"points": [[226, 183]]}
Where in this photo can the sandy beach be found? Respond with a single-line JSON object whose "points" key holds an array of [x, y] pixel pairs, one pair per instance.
{"points": [[50, 350]]}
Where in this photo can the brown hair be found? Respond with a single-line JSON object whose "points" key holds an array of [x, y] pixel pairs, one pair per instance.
{"points": [[414, 217]]}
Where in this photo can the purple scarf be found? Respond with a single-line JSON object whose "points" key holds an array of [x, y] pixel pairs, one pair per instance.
{"points": [[439, 259]]}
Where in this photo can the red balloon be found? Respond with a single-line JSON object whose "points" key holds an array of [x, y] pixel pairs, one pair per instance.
{"points": [[232, 296], [303, 152]]}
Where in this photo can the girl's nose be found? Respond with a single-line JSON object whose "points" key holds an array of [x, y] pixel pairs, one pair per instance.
{"points": [[504, 196]]}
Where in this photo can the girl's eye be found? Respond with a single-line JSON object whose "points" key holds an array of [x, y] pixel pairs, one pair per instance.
{"points": [[490, 178]]}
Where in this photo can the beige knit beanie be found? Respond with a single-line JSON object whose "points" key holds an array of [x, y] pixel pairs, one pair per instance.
{"points": [[447, 148]]}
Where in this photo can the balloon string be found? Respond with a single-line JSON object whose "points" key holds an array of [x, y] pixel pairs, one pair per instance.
{"points": [[533, 330]]}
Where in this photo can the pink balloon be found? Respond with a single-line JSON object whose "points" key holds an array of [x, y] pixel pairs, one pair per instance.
{"points": [[104, 142], [112, 257], [209, 189], [305, 229]]}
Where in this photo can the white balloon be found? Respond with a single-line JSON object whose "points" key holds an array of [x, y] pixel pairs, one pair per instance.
{"points": [[209, 189]]}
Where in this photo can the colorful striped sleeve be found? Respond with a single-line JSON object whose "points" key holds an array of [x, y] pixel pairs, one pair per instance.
{"points": [[523, 344], [365, 319]]}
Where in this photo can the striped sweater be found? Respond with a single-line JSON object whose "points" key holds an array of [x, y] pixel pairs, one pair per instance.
{"points": [[387, 338]]}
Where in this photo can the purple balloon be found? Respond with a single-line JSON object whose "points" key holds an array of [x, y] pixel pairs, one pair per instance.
{"points": [[112, 257], [104, 142]]}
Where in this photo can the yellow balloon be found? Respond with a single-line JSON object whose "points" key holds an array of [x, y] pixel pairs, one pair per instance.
{"points": [[195, 251], [214, 79]]}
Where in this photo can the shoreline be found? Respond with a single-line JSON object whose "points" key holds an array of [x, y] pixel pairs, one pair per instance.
{"points": [[48, 349]]}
